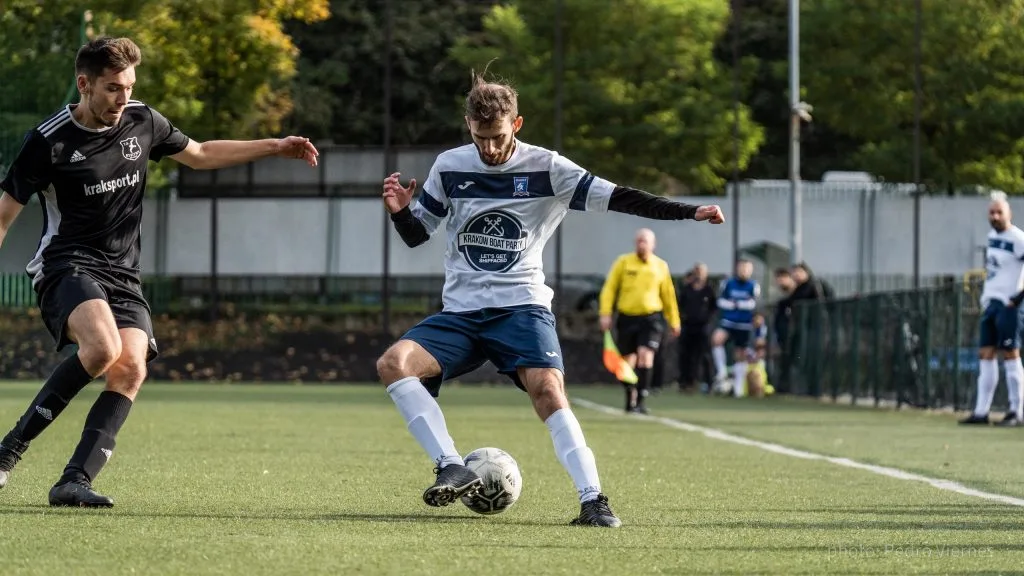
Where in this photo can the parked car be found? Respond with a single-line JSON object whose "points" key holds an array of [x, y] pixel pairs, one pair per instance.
{"points": [[581, 294]]}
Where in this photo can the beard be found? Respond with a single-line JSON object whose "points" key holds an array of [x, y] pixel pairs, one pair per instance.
{"points": [[500, 158]]}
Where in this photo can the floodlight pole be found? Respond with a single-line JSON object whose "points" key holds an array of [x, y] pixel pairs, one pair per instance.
{"points": [[735, 216], [917, 144], [559, 99], [389, 168], [796, 200]]}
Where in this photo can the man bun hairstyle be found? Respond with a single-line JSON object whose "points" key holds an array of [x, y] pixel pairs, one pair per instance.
{"points": [[105, 53], [489, 102]]}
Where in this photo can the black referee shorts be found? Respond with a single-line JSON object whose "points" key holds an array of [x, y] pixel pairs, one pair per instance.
{"points": [[60, 295], [636, 331]]}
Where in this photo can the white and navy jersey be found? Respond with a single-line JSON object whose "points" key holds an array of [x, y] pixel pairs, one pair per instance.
{"points": [[1004, 265], [500, 218], [91, 184], [737, 300]]}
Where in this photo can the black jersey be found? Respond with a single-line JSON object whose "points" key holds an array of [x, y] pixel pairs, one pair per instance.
{"points": [[91, 184]]}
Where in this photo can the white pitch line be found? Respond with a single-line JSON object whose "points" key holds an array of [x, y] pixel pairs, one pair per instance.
{"points": [[939, 483]]}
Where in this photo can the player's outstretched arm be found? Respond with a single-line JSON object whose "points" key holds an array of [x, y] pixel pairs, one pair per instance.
{"points": [[396, 201], [9, 210], [223, 153], [646, 205], [410, 228]]}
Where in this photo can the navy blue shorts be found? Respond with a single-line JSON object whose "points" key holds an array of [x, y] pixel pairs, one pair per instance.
{"points": [[1000, 326], [511, 338], [740, 337]]}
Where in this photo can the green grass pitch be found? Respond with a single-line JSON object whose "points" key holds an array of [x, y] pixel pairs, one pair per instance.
{"points": [[279, 479]]}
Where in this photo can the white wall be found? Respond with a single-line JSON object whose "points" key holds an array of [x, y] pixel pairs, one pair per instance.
{"points": [[266, 237]]}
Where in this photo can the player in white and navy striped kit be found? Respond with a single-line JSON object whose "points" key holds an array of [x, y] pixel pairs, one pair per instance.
{"points": [[1001, 320], [503, 199]]}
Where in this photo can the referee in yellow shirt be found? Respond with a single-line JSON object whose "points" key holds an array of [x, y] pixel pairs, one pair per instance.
{"points": [[639, 287]]}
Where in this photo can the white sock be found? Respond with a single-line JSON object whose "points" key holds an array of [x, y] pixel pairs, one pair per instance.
{"points": [[572, 451], [739, 388], [719, 354], [425, 421], [1014, 380], [988, 379]]}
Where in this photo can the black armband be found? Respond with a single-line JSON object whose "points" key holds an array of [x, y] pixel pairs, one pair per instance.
{"points": [[410, 228], [647, 205]]}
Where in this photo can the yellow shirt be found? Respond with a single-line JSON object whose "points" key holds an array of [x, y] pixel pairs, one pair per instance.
{"points": [[639, 288]]}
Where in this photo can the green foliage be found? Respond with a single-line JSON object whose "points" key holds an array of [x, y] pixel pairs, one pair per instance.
{"points": [[216, 69], [859, 75], [221, 69], [339, 91], [648, 83], [35, 71], [645, 103], [764, 49]]}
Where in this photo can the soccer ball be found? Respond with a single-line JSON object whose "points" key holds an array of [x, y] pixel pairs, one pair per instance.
{"points": [[502, 481]]}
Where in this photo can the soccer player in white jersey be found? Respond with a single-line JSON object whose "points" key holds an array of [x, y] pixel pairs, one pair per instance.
{"points": [[503, 199], [1001, 320]]}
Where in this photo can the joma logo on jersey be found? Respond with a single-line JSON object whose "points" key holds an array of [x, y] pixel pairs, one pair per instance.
{"points": [[104, 186], [130, 148], [492, 241]]}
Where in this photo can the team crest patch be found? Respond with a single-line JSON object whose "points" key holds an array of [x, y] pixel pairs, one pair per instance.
{"points": [[492, 241], [130, 148], [521, 186]]}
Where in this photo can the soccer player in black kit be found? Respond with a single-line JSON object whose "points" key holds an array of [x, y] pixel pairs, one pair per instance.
{"points": [[88, 165]]}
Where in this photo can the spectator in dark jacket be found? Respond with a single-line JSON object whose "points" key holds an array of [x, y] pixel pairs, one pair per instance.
{"points": [[809, 288], [697, 306], [781, 328], [784, 307]]}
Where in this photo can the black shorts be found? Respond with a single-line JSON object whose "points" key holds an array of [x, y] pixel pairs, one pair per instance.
{"points": [[740, 337], [636, 331], [60, 295]]}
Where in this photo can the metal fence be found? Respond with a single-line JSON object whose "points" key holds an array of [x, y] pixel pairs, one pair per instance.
{"points": [[914, 348], [407, 293]]}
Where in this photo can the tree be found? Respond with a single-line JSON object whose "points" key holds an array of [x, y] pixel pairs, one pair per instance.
{"points": [[340, 85], [859, 75], [644, 100], [216, 69], [35, 38], [764, 49], [220, 69]]}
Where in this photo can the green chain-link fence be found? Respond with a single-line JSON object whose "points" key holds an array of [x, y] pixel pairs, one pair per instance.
{"points": [[907, 348]]}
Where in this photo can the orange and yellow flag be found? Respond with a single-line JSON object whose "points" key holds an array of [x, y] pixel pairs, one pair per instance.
{"points": [[614, 362]]}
